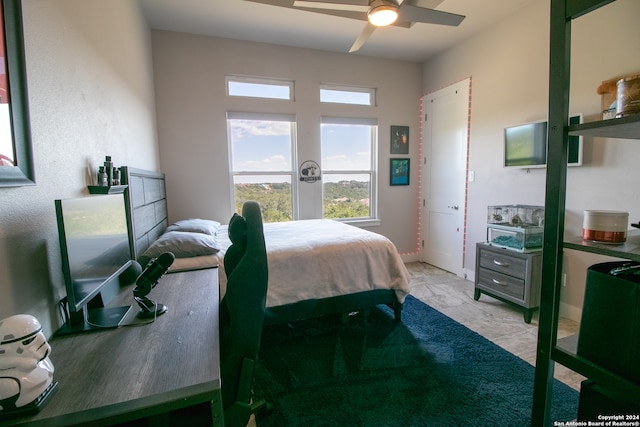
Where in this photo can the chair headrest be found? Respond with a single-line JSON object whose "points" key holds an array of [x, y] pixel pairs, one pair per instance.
{"points": [[253, 216]]}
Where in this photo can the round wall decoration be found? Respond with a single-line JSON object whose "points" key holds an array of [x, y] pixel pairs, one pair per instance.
{"points": [[309, 171]]}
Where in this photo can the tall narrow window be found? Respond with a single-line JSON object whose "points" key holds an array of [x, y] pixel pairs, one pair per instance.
{"points": [[349, 168], [262, 158]]}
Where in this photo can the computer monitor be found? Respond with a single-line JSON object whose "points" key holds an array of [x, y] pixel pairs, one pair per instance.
{"points": [[94, 245]]}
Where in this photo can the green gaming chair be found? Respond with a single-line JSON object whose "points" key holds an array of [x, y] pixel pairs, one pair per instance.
{"points": [[242, 314]]}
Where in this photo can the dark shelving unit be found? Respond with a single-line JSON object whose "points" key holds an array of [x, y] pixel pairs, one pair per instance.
{"points": [[550, 349]]}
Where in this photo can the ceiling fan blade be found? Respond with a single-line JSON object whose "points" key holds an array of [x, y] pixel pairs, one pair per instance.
{"points": [[425, 4], [412, 13], [331, 6], [363, 37]]}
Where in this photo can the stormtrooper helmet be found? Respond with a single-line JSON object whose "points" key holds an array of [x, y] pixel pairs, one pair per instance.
{"points": [[25, 368]]}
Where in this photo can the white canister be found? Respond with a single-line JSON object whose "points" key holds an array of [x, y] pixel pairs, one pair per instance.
{"points": [[605, 226]]}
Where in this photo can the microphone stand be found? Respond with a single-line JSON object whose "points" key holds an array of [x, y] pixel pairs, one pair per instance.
{"points": [[148, 280], [149, 309]]}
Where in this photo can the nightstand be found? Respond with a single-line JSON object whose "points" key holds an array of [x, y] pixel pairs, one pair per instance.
{"points": [[509, 276]]}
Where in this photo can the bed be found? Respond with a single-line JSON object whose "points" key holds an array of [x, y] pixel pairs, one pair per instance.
{"points": [[316, 267]]}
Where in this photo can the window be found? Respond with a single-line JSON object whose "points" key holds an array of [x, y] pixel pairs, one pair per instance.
{"points": [[347, 95], [256, 87], [348, 163], [262, 150]]}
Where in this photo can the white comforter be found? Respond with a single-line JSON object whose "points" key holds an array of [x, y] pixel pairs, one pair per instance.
{"points": [[314, 259]]}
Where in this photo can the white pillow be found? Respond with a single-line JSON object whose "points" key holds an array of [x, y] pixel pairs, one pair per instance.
{"points": [[195, 225], [183, 245]]}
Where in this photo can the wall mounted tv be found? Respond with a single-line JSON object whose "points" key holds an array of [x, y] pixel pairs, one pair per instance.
{"points": [[525, 146], [94, 245]]}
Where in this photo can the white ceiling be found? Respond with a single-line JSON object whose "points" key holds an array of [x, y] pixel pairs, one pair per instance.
{"points": [[246, 20]]}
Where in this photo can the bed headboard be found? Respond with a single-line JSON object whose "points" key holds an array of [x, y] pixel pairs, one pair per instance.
{"points": [[146, 205]]}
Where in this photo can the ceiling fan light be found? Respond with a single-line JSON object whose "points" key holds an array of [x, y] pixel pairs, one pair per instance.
{"points": [[383, 15]]}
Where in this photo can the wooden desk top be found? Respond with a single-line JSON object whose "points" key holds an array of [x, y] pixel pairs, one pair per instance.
{"points": [[140, 370]]}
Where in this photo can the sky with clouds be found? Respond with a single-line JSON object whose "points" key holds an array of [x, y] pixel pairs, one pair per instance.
{"points": [[267, 146]]}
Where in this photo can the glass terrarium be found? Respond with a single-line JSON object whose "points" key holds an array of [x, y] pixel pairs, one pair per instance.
{"points": [[516, 227]]}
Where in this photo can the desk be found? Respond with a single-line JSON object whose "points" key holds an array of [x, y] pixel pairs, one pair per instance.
{"points": [[133, 372]]}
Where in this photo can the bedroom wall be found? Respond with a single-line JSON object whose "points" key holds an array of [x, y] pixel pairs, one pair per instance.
{"points": [[90, 87], [192, 132], [509, 67]]}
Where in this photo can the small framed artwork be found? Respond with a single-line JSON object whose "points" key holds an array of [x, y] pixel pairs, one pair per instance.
{"points": [[399, 139], [399, 169]]}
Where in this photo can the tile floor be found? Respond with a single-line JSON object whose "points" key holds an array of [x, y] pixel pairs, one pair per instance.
{"points": [[497, 321]]}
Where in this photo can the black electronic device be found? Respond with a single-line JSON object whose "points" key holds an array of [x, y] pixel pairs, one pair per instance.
{"points": [[155, 269], [609, 333], [525, 146], [94, 246]]}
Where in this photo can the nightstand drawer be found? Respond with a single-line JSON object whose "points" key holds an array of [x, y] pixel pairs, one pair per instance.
{"points": [[501, 283], [503, 263]]}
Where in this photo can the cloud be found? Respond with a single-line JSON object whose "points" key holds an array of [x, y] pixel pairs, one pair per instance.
{"points": [[356, 162], [275, 163], [245, 128]]}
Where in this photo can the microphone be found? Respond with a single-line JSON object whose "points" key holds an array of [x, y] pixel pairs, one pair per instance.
{"points": [[156, 268]]}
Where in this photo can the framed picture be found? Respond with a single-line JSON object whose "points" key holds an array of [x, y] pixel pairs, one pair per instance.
{"points": [[399, 139], [16, 160], [399, 169]]}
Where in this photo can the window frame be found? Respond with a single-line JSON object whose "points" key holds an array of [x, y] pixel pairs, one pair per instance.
{"points": [[231, 78], [372, 219], [349, 89], [293, 174]]}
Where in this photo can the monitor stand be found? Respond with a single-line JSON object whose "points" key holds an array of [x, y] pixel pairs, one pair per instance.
{"points": [[107, 317], [97, 319]]}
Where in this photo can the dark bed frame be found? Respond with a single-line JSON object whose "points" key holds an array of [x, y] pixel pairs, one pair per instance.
{"points": [[343, 304], [146, 205]]}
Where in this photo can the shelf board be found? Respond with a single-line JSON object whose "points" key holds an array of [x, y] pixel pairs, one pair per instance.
{"points": [[624, 127], [569, 343], [628, 390], [114, 189], [627, 250], [577, 8]]}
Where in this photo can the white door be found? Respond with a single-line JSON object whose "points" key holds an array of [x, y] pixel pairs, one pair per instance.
{"points": [[445, 136]]}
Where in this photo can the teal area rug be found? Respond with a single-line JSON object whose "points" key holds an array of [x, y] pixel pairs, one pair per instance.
{"points": [[427, 370]]}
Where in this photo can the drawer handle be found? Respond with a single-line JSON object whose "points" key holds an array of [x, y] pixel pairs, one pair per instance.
{"points": [[501, 264], [497, 282]]}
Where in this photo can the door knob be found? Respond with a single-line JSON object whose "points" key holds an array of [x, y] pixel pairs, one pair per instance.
{"points": [[454, 207]]}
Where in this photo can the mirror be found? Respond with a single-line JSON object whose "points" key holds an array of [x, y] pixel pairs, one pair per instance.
{"points": [[16, 160]]}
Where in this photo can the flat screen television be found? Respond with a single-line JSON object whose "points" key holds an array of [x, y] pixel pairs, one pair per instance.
{"points": [[94, 245], [525, 146]]}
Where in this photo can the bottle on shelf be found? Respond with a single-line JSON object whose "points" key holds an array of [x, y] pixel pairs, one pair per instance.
{"points": [[102, 177], [108, 166], [115, 180]]}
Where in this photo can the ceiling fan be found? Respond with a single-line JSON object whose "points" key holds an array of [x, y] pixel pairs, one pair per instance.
{"points": [[377, 13]]}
